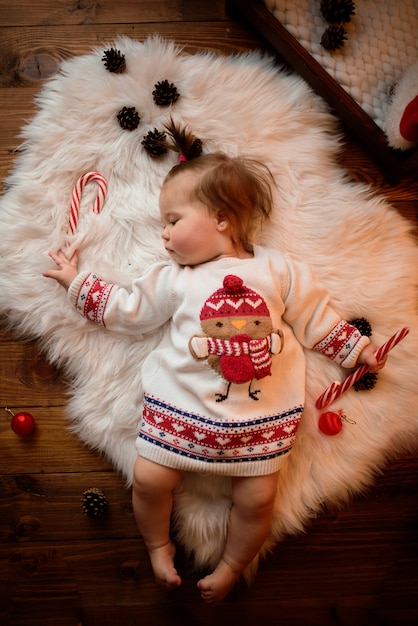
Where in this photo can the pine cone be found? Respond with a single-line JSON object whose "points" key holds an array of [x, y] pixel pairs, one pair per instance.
{"points": [[366, 382], [153, 143], [165, 94], [114, 61], [362, 325], [334, 37], [337, 11], [94, 502], [128, 118]]}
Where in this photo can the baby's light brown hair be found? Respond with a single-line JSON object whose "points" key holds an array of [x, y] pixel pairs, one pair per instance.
{"points": [[240, 188]]}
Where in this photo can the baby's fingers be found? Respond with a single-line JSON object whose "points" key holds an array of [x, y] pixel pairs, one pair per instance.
{"points": [[51, 274], [74, 258], [382, 362], [61, 260], [58, 257]]}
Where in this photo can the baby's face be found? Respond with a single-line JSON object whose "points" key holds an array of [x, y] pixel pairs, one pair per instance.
{"points": [[192, 233]]}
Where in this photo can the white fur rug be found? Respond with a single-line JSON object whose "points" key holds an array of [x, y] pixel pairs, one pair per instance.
{"points": [[359, 246]]}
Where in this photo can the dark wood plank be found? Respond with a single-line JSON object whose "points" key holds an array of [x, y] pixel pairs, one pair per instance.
{"points": [[29, 13], [25, 371], [362, 167], [51, 447], [39, 508], [122, 567], [11, 120], [48, 594]]}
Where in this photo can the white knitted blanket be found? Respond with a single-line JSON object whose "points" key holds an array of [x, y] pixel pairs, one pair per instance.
{"points": [[357, 244], [381, 44]]}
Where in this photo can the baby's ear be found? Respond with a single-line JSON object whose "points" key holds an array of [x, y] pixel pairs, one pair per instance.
{"points": [[222, 221]]}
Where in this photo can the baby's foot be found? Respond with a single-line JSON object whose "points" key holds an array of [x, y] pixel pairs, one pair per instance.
{"points": [[162, 561], [215, 586]]}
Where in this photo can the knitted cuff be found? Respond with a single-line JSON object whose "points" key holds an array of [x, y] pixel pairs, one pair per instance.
{"points": [[74, 288], [89, 294], [351, 359], [343, 344]]}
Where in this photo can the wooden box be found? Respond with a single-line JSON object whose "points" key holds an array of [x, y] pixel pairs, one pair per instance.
{"points": [[396, 164]]}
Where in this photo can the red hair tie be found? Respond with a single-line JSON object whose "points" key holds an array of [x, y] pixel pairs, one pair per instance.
{"points": [[182, 158]]}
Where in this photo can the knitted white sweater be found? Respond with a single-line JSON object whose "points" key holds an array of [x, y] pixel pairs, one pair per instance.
{"points": [[224, 391]]}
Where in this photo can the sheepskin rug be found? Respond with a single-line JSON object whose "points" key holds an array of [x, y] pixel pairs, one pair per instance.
{"points": [[358, 245]]}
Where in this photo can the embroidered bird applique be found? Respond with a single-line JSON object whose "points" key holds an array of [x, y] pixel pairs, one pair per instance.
{"points": [[238, 335]]}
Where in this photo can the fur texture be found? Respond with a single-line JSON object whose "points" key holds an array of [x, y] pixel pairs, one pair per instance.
{"points": [[359, 246]]}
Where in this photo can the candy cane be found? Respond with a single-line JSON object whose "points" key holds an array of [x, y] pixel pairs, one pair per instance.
{"points": [[336, 389], [76, 197]]}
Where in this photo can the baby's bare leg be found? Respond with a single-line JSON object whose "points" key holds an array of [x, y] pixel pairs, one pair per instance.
{"points": [[249, 526], [152, 500]]}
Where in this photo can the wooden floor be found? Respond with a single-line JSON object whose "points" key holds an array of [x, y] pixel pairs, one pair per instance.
{"points": [[358, 566]]}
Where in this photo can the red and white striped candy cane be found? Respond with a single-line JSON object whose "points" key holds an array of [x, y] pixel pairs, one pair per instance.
{"points": [[76, 197], [336, 389]]}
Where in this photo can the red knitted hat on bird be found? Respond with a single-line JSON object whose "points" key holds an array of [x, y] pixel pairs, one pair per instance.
{"points": [[234, 299]]}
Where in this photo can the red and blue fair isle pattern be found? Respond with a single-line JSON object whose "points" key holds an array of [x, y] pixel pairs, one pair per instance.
{"points": [[203, 439], [338, 344], [92, 298]]}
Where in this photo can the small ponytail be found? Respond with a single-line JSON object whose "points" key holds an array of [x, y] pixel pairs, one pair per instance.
{"points": [[183, 141]]}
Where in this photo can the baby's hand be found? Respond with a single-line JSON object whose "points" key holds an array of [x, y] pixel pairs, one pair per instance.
{"points": [[67, 268], [367, 357]]}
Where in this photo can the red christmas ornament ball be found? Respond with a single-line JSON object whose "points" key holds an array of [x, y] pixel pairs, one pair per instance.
{"points": [[22, 423], [330, 423]]}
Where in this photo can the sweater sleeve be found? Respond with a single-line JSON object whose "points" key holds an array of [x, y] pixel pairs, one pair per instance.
{"points": [[144, 308], [315, 323]]}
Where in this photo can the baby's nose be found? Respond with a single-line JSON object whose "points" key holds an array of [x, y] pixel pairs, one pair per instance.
{"points": [[239, 323]]}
